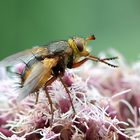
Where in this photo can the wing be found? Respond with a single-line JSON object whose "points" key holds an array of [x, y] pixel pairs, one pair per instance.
{"points": [[40, 73], [22, 56], [51, 49]]}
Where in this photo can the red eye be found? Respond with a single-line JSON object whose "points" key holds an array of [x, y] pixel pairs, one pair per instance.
{"points": [[79, 46]]}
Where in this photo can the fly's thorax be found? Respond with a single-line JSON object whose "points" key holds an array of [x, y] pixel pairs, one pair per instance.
{"points": [[56, 48]]}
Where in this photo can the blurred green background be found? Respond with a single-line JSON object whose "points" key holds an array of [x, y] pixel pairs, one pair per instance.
{"points": [[26, 23]]}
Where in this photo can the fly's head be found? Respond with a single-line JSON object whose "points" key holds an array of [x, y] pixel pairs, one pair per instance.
{"points": [[79, 46]]}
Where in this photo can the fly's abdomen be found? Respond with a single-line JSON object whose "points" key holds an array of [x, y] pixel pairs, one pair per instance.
{"points": [[36, 76]]}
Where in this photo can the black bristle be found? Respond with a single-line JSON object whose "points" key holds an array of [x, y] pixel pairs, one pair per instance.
{"points": [[26, 64]]}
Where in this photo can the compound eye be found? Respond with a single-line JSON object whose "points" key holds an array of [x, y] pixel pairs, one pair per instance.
{"points": [[80, 46]]}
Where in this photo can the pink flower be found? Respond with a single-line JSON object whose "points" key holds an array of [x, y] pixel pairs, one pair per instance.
{"points": [[103, 99]]}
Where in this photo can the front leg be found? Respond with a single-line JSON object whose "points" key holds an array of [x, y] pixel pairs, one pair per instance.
{"points": [[96, 59], [75, 65]]}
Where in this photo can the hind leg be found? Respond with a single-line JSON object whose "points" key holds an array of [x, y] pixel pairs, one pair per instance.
{"points": [[48, 96]]}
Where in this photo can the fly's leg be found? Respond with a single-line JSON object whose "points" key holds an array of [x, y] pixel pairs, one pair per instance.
{"points": [[75, 65], [37, 96], [110, 58], [96, 59], [68, 92], [48, 96], [51, 104]]}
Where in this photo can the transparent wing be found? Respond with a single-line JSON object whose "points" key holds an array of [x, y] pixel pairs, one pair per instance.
{"points": [[40, 73], [15, 58], [31, 81], [21, 56]]}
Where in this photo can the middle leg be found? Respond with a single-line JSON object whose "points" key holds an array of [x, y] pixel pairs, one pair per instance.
{"points": [[68, 92]]}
